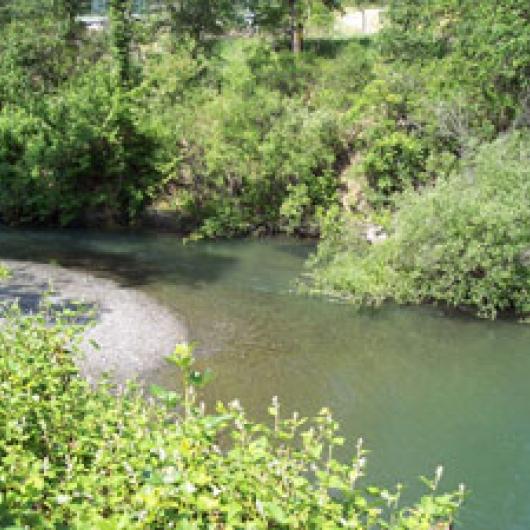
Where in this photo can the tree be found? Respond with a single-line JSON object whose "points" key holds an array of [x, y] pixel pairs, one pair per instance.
{"points": [[198, 18], [292, 15], [121, 37], [477, 48], [40, 47], [67, 11]]}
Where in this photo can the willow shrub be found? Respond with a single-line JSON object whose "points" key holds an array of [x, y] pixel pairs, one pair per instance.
{"points": [[463, 242], [81, 458]]}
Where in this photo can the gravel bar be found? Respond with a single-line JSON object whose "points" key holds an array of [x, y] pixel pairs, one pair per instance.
{"points": [[133, 331]]}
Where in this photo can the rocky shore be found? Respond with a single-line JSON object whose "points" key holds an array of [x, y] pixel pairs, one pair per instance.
{"points": [[133, 332]]}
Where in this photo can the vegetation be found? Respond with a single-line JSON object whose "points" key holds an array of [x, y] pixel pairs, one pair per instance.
{"points": [[237, 135], [71, 146], [260, 155], [463, 242], [441, 154], [444, 83], [203, 109], [198, 19], [234, 135], [292, 16], [82, 458]]}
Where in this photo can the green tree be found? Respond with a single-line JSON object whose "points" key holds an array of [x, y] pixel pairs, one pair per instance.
{"points": [[41, 46], [198, 18], [121, 37], [67, 11], [477, 48], [290, 15]]}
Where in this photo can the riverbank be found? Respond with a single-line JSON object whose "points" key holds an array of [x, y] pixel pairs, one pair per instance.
{"points": [[133, 332]]}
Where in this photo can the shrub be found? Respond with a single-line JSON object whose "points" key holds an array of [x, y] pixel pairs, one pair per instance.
{"points": [[450, 76], [478, 49], [82, 153], [249, 147], [395, 162], [398, 138], [262, 144], [82, 458], [463, 242]]}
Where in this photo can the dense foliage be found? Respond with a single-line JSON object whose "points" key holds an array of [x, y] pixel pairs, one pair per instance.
{"points": [[453, 77], [82, 458], [292, 16], [200, 18], [71, 145], [82, 154], [200, 109], [463, 242], [261, 153], [232, 135]]}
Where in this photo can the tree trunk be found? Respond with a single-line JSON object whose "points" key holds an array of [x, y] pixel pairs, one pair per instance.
{"points": [[297, 28], [297, 43]]}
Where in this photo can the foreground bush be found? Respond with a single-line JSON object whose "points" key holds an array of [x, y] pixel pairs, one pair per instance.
{"points": [[81, 458], [463, 242]]}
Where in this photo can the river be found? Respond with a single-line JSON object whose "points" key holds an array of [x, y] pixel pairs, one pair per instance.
{"points": [[420, 386]]}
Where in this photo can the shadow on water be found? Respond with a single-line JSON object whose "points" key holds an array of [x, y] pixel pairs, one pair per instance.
{"points": [[131, 260], [30, 299], [298, 250]]}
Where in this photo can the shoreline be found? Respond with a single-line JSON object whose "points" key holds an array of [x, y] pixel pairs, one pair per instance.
{"points": [[134, 333]]}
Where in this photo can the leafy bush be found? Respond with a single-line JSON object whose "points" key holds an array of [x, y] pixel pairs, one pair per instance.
{"points": [[82, 458], [478, 49], [262, 151], [450, 76], [81, 154], [71, 146], [399, 143], [34, 60], [395, 162], [237, 135], [463, 242]]}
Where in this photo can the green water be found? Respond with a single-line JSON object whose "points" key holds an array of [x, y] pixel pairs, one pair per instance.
{"points": [[423, 388]]}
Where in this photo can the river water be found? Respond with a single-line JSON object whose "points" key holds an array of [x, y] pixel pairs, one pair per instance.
{"points": [[420, 386]]}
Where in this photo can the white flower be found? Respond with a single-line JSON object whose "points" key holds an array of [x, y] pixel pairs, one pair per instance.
{"points": [[63, 499], [216, 491], [189, 488], [235, 405]]}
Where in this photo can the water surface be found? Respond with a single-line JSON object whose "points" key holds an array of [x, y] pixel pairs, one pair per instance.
{"points": [[420, 386]]}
